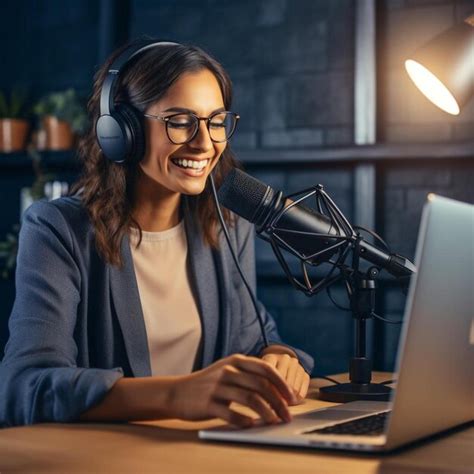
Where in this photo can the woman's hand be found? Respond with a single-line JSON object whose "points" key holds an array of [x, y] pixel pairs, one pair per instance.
{"points": [[290, 369], [246, 380]]}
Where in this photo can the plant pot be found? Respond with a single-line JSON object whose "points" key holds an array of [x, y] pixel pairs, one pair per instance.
{"points": [[59, 135], [13, 133]]}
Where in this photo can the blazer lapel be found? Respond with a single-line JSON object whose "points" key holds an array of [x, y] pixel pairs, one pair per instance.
{"points": [[205, 280], [126, 298]]}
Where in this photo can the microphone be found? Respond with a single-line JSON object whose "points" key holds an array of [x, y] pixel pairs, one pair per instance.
{"points": [[311, 233]]}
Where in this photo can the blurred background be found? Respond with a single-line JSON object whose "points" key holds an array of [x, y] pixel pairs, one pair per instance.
{"points": [[323, 96]]}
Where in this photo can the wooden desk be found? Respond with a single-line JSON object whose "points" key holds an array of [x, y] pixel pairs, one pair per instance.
{"points": [[173, 446]]}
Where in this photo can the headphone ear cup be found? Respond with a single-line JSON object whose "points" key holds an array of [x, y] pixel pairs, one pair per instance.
{"points": [[132, 120]]}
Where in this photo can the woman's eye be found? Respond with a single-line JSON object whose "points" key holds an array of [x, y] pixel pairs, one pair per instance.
{"points": [[180, 124], [218, 124]]}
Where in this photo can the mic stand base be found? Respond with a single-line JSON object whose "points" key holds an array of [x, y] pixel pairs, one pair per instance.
{"points": [[349, 392], [360, 370]]}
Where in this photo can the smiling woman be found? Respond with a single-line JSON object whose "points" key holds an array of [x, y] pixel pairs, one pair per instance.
{"points": [[157, 85], [127, 305]]}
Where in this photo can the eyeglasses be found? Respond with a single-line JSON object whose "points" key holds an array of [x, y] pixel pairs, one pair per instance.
{"points": [[183, 127]]}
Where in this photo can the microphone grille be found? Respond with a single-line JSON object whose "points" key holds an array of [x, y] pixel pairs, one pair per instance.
{"points": [[242, 193]]}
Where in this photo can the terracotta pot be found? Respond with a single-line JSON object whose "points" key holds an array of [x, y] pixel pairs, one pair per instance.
{"points": [[13, 133], [59, 135]]}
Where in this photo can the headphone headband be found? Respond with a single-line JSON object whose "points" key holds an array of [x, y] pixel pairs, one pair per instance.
{"points": [[110, 83]]}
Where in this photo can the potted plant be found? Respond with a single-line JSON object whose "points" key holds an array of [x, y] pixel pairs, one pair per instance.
{"points": [[62, 116], [14, 124]]}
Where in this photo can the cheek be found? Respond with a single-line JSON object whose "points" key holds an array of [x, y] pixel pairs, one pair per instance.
{"points": [[158, 156], [219, 150], [158, 149]]}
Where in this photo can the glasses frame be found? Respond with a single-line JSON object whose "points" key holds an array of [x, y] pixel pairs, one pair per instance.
{"points": [[167, 119]]}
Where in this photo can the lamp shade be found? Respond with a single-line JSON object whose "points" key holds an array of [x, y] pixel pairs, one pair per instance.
{"points": [[443, 69]]}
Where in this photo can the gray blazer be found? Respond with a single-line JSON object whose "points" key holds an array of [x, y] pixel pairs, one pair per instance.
{"points": [[77, 324]]}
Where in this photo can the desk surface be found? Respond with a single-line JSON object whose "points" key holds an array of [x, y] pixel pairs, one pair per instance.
{"points": [[170, 446]]}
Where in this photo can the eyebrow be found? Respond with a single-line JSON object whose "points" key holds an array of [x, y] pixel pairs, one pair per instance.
{"points": [[183, 109]]}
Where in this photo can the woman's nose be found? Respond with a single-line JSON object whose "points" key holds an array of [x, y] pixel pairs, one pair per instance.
{"points": [[202, 140]]}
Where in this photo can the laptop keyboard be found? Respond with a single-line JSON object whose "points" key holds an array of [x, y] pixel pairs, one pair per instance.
{"points": [[372, 425]]}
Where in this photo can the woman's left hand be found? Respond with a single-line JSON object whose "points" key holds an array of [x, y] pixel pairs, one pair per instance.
{"points": [[290, 369]]}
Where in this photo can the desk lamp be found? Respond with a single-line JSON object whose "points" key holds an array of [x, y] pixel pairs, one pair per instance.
{"points": [[443, 69]]}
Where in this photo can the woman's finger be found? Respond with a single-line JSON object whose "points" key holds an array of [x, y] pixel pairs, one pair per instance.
{"points": [[304, 386], [301, 385], [292, 372], [249, 399], [283, 365], [257, 366], [221, 410], [258, 384], [299, 380], [271, 359]]}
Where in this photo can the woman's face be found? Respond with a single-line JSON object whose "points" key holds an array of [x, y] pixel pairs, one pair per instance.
{"points": [[196, 92]]}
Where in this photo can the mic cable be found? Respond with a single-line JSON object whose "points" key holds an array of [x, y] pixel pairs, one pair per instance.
{"points": [[236, 261]]}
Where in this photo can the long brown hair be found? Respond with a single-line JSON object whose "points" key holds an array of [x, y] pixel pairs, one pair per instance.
{"points": [[107, 187]]}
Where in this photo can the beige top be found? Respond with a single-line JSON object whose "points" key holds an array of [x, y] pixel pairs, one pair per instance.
{"points": [[172, 321]]}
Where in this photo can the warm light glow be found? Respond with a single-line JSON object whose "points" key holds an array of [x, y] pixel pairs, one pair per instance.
{"points": [[432, 87], [431, 197]]}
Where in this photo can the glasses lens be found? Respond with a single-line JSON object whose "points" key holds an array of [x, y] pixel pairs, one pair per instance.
{"points": [[181, 127], [222, 126]]}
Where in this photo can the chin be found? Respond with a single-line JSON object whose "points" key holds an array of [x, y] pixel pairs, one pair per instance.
{"points": [[193, 190]]}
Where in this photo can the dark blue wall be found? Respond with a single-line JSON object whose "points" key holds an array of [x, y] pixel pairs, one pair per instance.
{"points": [[291, 62], [49, 45]]}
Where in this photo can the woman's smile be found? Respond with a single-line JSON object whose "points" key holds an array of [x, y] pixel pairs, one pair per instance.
{"points": [[190, 166]]}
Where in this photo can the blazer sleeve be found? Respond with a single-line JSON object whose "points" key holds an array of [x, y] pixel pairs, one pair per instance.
{"points": [[39, 378], [250, 333]]}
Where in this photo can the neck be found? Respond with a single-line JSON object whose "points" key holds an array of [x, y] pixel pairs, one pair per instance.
{"points": [[155, 208]]}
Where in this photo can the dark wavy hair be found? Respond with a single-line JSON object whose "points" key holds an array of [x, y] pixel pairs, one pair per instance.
{"points": [[107, 187]]}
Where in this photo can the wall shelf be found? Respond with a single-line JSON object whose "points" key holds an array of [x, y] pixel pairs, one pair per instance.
{"points": [[360, 153]]}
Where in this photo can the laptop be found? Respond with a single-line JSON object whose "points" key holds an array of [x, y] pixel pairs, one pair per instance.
{"points": [[435, 360]]}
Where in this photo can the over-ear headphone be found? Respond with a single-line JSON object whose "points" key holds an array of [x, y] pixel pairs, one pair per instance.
{"points": [[119, 128]]}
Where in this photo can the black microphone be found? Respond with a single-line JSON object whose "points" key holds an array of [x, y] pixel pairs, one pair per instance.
{"points": [[260, 204]]}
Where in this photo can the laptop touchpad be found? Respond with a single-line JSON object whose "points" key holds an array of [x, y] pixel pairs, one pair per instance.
{"points": [[330, 415]]}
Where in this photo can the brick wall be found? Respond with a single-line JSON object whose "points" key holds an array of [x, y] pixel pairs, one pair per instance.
{"points": [[292, 63], [406, 187], [293, 80]]}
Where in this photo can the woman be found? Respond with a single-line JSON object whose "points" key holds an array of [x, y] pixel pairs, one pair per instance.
{"points": [[128, 305]]}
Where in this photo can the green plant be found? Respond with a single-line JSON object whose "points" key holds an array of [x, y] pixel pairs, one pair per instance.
{"points": [[15, 106], [65, 105], [41, 178], [8, 252]]}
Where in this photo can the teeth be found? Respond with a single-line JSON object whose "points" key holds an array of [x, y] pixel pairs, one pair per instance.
{"points": [[197, 165]]}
